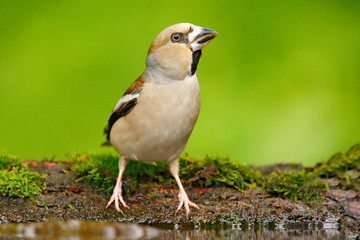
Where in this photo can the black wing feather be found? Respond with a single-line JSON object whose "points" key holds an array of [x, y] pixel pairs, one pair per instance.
{"points": [[124, 108], [121, 111]]}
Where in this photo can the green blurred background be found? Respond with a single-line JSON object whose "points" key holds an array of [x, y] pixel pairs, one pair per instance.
{"points": [[280, 83]]}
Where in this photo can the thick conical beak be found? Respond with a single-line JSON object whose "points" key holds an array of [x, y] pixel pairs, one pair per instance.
{"points": [[199, 37]]}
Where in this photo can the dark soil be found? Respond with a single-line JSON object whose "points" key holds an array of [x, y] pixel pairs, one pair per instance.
{"points": [[65, 199]]}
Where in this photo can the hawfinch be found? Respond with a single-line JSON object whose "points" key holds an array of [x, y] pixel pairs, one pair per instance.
{"points": [[154, 118]]}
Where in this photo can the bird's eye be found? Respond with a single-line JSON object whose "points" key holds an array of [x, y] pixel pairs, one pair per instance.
{"points": [[175, 37]]}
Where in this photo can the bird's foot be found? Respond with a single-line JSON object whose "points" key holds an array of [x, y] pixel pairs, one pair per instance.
{"points": [[184, 200], [116, 197]]}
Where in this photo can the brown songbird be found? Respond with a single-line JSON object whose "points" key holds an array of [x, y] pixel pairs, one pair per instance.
{"points": [[154, 118]]}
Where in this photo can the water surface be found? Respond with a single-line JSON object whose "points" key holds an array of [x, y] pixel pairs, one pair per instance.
{"points": [[104, 230]]}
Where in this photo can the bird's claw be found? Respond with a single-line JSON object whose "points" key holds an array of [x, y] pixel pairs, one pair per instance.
{"points": [[116, 197], [184, 200]]}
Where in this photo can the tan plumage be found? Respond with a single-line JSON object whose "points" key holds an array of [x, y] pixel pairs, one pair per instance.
{"points": [[153, 120]]}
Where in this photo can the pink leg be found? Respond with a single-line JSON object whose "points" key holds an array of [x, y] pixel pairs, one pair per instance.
{"points": [[117, 190], [183, 197]]}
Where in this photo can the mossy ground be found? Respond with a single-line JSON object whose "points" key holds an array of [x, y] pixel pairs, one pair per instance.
{"points": [[343, 166], [226, 191], [16, 179], [212, 171], [101, 170], [301, 185]]}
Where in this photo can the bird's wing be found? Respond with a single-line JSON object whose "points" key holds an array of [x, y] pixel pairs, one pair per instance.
{"points": [[125, 104]]}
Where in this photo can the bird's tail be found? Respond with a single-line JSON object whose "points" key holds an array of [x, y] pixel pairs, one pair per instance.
{"points": [[106, 144]]}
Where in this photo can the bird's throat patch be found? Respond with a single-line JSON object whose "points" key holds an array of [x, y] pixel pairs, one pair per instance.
{"points": [[195, 60]]}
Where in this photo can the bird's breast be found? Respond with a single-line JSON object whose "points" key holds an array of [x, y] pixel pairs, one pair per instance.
{"points": [[160, 124]]}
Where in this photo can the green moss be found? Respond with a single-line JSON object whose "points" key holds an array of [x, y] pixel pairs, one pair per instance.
{"points": [[8, 161], [21, 182], [345, 166], [296, 186], [101, 170], [96, 169], [218, 171], [142, 172], [17, 180]]}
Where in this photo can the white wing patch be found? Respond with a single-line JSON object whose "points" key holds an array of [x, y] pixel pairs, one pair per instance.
{"points": [[126, 98]]}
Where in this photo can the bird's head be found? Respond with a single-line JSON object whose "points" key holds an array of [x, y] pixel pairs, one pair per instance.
{"points": [[175, 52]]}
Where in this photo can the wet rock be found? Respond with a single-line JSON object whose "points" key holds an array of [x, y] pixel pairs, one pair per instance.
{"points": [[353, 209], [333, 182], [340, 195]]}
